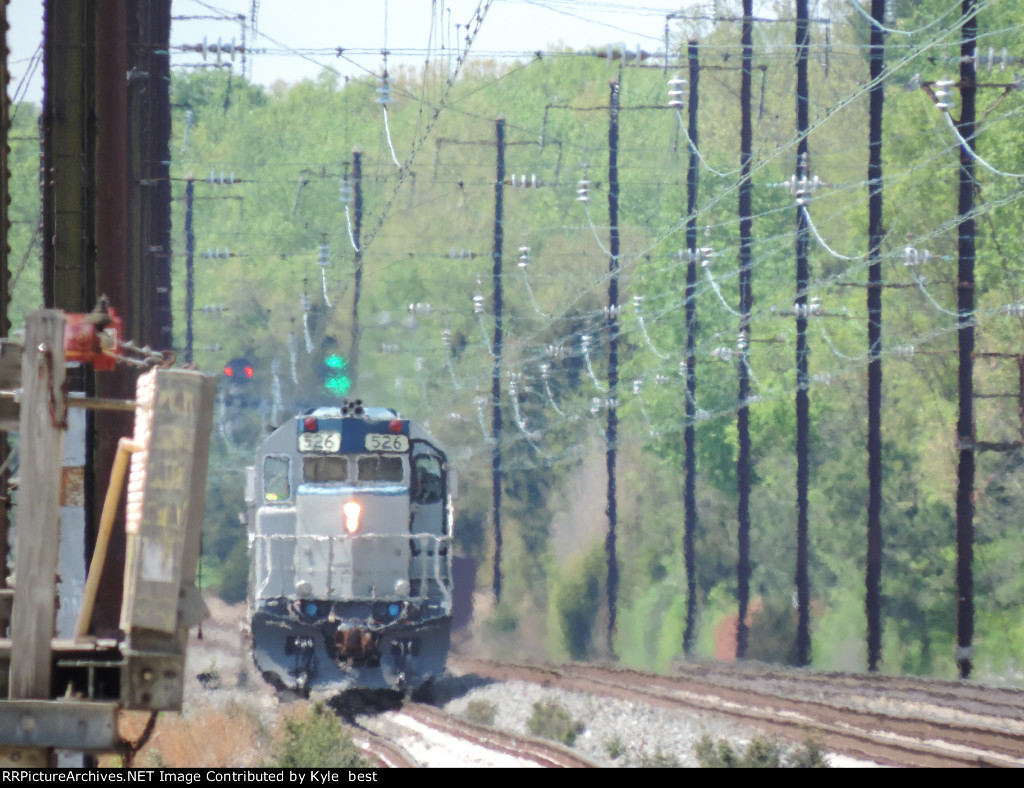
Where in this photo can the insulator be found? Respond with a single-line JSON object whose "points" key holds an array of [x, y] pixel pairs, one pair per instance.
{"points": [[676, 99], [706, 255], [384, 91], [421, 309], [545, 370], [212, 348], [524, 256], [701, 415], [722, 353], [942, 93], [583, 190], [661, 380], [612, 311], [556, 351], [742, 342], [478, 304], [585, 343], [323, 256], [889, 14], [595, 406], [814, 308], [823, 379], [638, 304], [683, 368], [446, 337], [211, 308], [638, 386], [390, 348], [456, 417], [903, 350], [480, 401]]}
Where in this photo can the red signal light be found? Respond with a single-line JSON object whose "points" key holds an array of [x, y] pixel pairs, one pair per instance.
{"points": [[229, 371], [395, 426], [248, 372], [309, 424]]}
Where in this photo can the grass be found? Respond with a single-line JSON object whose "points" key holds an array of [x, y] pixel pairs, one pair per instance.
{"points": [[481, 712], [761, 753], [314, 738], [209, 737], [551, 721]]}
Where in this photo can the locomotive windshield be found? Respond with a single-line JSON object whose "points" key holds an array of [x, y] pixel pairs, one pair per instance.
{"points": [[381, 468], [325, 469]]}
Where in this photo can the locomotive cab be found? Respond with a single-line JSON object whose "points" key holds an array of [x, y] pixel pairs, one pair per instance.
{"points": [[350, 535]]}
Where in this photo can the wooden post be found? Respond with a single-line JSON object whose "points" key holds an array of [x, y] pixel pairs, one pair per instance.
{"points": [[43, 411]]}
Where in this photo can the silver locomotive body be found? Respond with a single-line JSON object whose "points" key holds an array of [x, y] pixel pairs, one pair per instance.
{"points": [[350, 538]]}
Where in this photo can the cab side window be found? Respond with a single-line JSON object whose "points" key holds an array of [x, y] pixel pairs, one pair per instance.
{"points": [[426, 480], [276, 478]]}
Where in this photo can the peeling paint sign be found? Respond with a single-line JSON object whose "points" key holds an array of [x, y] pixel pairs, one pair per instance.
{"points": [[169, 403]]}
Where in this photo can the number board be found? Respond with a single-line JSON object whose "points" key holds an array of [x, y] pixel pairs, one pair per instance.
{"points": [[375, 441], [320, 441]]}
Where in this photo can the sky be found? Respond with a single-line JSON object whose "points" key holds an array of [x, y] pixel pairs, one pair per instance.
{"points": [[300, 36]]}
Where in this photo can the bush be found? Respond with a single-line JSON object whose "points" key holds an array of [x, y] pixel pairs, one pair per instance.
{"points": [[615, 748], [480, 712], [316, 740], [761, 753], [551, 721], [659, 760]]}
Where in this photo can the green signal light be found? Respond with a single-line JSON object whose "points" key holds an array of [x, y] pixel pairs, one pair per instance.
{"points": [[336, 382]]}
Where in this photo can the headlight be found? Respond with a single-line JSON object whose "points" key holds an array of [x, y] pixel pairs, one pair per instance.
{"points": [[352, 511]]}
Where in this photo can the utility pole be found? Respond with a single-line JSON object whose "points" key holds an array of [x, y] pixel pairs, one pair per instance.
{"points": [[742, 368], [873, 574], [965, 343], [190, 267], [612, 326], [689, 434], [803, 636], [357, 227], [499, 186]]}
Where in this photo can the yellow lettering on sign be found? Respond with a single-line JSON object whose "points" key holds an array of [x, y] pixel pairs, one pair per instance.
{"points": [[180, 402], [168, 475], [172, 439]]}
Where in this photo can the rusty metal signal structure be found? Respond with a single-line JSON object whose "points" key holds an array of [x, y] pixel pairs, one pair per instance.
{"points": [[105, 174], [65, 693]]}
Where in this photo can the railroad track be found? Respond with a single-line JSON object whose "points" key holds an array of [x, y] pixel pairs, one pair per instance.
{"points": [[415, 735], [540, 751], [944, 698], [905, 739]]}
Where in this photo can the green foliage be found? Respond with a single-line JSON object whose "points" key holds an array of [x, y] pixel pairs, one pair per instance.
{"points": [[659, 760], [551, 721], [760, 753], [577, 599], [316, 740], [481, 712], [291, 148], [615, 748]]}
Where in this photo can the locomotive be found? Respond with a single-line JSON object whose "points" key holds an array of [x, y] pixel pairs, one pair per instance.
{"points": [[349, 519]]}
